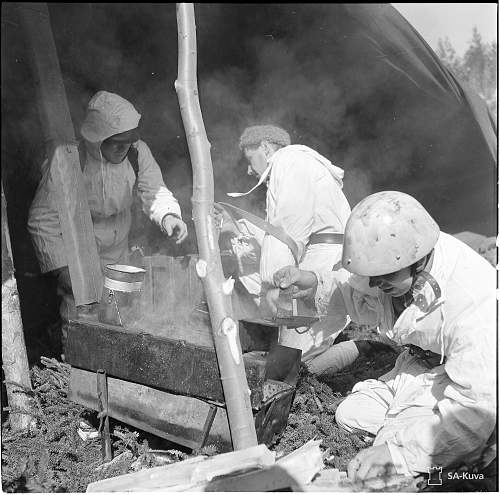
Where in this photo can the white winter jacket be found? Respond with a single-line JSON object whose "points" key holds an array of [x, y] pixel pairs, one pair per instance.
{"points": [[109, 193], [304, 197], [461, 327]]}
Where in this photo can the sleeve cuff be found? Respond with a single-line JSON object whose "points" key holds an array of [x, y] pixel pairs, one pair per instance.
{"points": [[159, 213], [323, 292]]}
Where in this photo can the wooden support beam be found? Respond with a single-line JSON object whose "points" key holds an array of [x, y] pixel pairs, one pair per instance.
{"points": [[65, 171], [54, 111], [187, 473], [14, 356], [209, 267]]}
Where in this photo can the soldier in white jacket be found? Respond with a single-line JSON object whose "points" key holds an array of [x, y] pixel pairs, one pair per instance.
{"points": [[434, 295], [110, 130], [304, 198]]}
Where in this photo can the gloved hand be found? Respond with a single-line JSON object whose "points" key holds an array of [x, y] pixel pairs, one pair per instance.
{"points": [[171, 225]]}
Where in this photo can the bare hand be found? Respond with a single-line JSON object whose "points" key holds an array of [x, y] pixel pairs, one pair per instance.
{"points": [[172, 224], [286, 276], [370, 463], [305, 281]]}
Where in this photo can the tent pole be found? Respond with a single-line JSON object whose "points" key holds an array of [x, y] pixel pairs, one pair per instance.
{"points": [[209, 266]]}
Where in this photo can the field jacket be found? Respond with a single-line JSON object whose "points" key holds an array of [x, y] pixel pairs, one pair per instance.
{"points": [[459, 326], [109, 190], [304, 196]]}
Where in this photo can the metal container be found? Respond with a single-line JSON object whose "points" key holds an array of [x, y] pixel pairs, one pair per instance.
{"points": [[120, 301], [294, 313]]}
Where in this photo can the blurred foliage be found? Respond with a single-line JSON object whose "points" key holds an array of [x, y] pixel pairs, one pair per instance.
{"points": [[477, 68]]}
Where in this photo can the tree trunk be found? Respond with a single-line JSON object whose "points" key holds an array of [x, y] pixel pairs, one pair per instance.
{"points": [[14, 357], [209, 267]]}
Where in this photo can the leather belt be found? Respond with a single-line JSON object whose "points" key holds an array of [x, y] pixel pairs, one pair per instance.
{"points": [[326, 238]]}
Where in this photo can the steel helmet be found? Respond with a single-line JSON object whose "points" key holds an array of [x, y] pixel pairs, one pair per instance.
{"points": [[387, 231]]}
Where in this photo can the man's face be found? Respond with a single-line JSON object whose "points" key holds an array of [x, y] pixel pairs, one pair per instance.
{"points": [[257, 158], [114, 151], [394, 284]]}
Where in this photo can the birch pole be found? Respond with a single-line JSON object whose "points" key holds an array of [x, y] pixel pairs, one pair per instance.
{"points": [[209, 267], [14, 356]]}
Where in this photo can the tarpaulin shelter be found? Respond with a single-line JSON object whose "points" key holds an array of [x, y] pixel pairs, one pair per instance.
{"points": [[452, 163], [354, 81], [387, 109]]}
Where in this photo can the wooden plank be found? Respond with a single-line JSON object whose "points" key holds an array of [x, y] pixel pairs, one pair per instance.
{"points": [[329, 480], [167, 364], [173, 417], [65, 172], [186, 473], [332, 480], [54, 110], [293, 471]]}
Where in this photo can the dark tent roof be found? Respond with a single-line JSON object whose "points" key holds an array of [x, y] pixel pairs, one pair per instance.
{"points": [[360, 85], [354, 81], [415, 128], [452, 163], [401, 46]]}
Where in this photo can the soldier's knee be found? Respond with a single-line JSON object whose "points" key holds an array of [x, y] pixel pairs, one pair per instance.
{"points": [[344, 415]]}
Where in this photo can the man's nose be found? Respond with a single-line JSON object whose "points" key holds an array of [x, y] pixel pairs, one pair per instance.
{"points": [[249, 170]]}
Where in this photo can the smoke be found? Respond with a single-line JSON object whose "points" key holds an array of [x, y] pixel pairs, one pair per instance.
{"points": [[293, 81], [313, 69]]}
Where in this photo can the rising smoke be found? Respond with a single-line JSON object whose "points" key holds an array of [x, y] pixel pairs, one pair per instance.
{"points": [[314, 69]]}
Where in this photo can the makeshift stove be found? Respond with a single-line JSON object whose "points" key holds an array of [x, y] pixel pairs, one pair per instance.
{"points": [[151, 362]]}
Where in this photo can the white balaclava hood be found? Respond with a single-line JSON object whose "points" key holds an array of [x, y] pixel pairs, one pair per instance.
{"points": [[108, 114]]}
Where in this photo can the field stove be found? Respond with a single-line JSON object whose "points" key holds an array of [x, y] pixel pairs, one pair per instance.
{"points": [[159, 365]]}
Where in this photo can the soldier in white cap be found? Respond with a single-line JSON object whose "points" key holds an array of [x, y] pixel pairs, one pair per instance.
{"points": [[435, 296], [114, 160], [305, 199]]}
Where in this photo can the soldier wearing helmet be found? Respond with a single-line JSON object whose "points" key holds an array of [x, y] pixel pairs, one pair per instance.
{"points": [[432, 294]]}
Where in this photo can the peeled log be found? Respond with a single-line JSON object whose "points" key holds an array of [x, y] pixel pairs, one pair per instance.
{"points": [[209, 266], [14, 357]]}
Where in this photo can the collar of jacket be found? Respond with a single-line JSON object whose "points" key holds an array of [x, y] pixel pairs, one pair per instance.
{"points": [[336, 172], [94, 150]]}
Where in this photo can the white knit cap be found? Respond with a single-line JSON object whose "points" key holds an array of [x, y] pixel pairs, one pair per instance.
{"points": [[108, 114]]}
